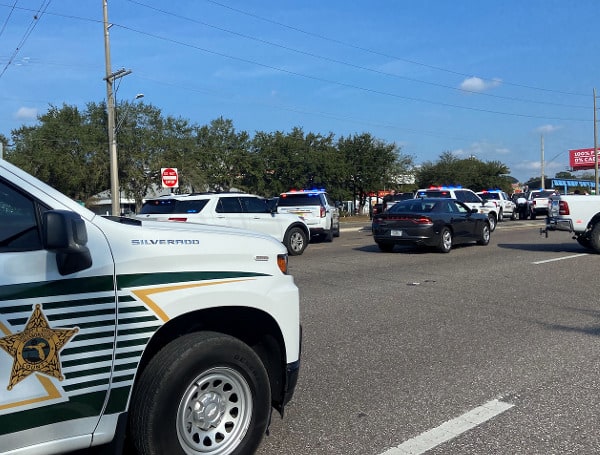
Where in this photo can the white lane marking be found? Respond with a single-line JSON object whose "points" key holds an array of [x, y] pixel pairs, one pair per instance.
{"points": [[560, 259], [450, 429]]}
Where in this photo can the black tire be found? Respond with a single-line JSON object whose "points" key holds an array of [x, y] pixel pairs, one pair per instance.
{"points": [[386, 247], [336, 232], [585, 242], [295, 240], [445, 240], [493, 221], [500, 216], [513, 215], [221, 378], [484, 235], [595, 238], [329, 233]]}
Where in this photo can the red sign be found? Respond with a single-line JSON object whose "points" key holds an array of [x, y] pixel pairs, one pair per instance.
{"points": [[582, 159], [170, 178]]}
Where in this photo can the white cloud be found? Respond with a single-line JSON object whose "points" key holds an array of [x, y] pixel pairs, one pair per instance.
{"points": [[547, 128], [476, 84], [26, 113]]}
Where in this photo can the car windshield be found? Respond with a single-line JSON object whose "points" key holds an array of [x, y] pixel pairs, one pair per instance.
{"points": [[167, 206], [291, 200]]}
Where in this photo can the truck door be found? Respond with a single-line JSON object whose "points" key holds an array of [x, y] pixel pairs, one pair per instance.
{"points": [[57, 332], [259, 217]]}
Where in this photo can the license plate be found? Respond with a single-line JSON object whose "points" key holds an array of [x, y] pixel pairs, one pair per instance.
{"points": [[396, 233]]}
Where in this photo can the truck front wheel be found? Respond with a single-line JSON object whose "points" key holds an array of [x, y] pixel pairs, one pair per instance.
{"points": [[203, 393]]}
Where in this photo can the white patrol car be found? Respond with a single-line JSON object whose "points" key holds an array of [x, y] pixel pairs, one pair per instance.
{"points": [[238, 210], [466, 196], [316, 207], [507, 207], [148, 338]]}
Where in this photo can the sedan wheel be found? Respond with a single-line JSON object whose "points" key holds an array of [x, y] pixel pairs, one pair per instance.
{"points": [[445, 243], [492, 220], [484, 235]]}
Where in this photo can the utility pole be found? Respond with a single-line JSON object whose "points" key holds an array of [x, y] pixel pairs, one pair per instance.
{"points": [[110, 105], [543, 170], [595, 147]]}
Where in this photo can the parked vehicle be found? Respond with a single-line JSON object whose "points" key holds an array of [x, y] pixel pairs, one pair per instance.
{"points": [[467, 197], [238, 210], [178, 338], [316, 208], [437, 222], [506, 207], [537, 203], [577, 214]]}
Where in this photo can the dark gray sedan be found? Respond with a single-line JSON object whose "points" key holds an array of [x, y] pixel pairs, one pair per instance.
{"points": [[437, 222]]}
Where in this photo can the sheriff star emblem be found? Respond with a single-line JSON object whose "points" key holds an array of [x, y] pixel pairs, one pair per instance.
{"points": [[36, 348]]}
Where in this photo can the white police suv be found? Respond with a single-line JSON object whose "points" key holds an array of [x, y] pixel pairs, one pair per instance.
{"points": [[162, 338], [315, 207], [238, 210]]}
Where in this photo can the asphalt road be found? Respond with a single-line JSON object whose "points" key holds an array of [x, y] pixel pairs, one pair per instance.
{"points": [[397, 344]]}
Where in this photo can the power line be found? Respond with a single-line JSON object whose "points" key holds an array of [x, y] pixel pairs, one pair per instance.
{"points": [[27, 33], [371, 51], [351, 65], [342, 84]]}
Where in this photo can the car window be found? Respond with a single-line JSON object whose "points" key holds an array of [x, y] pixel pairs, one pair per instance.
{"points": [[254, 205], [167, 206], [434, 193], [460, 208], [541, 194], [291, 200], [229, 205], [19, 229], [490, 196]]}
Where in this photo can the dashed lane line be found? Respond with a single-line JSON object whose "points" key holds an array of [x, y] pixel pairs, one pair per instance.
{"points": [[450, 429]]}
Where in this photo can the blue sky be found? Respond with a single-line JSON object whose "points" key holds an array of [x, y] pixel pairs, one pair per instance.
{"points": [[473, 77]]}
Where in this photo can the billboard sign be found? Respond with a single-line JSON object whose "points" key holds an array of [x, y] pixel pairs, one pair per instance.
{"points": [[581, 159]]}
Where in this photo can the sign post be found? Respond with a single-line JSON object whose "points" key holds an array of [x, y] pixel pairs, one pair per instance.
{"points": [[169, 177]]}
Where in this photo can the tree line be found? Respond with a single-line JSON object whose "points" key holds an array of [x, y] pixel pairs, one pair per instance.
{"points": [[68, 149]]}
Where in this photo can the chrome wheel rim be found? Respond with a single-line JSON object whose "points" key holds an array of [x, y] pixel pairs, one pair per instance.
{"points": [[214, 413], [296, 242], [447, 240]]}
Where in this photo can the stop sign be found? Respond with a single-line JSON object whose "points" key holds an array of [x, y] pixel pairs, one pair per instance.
{"points": [[170, 178]]}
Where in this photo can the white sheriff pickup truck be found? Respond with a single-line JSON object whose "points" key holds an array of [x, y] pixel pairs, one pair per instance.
{"points": [[147, 338], [577, 214]]}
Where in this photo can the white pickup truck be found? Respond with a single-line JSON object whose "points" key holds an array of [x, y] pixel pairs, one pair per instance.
{"points": [[577, 214], [141, 337]]}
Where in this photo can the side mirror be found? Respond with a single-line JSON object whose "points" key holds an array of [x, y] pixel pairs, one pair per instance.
{"points": [[64, 233]]}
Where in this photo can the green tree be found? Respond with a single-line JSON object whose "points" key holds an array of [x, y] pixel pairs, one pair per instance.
{"points": [[471, 173], [564, 175], [371, 164], [222, 155], [63, 151]]}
